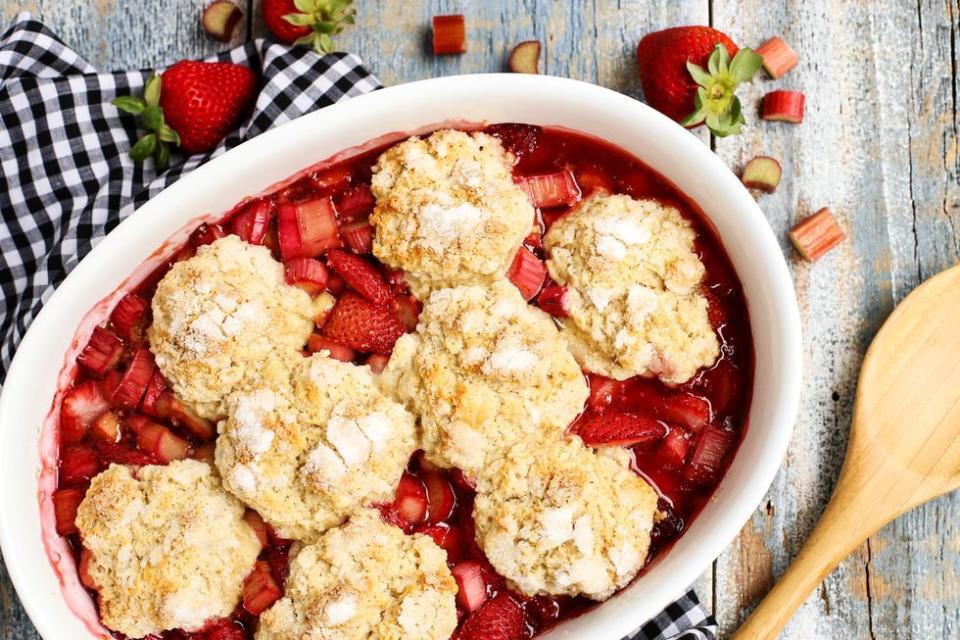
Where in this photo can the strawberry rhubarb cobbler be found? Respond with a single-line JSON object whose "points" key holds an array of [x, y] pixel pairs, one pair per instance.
{"points": [[458, 386]]}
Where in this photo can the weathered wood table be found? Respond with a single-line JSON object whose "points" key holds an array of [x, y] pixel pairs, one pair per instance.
{"points": [[879, 146]]}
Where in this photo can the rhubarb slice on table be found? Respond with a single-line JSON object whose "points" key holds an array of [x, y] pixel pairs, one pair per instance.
{"points": [[817, 234], [220, 19], [778, 57], [449, 35], [762, 173], [783, 106], [525, 57]]}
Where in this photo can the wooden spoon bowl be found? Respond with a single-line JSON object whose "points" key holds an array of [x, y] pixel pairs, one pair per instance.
{"points": [[904, 443]]}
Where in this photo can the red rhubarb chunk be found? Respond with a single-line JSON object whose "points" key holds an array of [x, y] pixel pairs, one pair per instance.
{"points": [[498, 619], [129, 317], [159, 442], [308, 274], [206, 234], [674, 449], [449, 35], [778, 57], [81, 406], [706, 463], [260, 589], [253, 221], [65, 504], [471, 586], [178, 414], [817, 234], [355, 203], [317, 343], [361, 276], [119, 453], [363, 326], [377, 363], [551, 189], [440, 497], [78, 463], [527, 273], [83, 571], [551, 300], [331, 179], [307, 229], [616, 429], [102, 352], [358, 236], [783, 106], [410, 503], [106, 428], [133, 385], [156, 386]]}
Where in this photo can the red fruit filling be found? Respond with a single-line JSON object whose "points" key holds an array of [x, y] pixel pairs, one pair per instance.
{"points": [[527, 273], [552, 189], [102, 352], [307, 273]]}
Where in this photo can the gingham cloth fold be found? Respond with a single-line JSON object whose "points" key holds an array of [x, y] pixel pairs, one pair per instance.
{"points": [[66, 179]]}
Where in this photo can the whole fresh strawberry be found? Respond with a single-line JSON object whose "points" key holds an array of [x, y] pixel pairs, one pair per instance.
{"points": [[688, 74], [307, 22], [191, 105]]}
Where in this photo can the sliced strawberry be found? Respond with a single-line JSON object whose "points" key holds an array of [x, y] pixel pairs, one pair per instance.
{"points": [[206, 234], [551, 189], [355, 203], [129, 317], [156, 386], [685, 409], [83, 570], [500, 618], [78, 463], [102, 352], [259, 527], [307, 229], [112, 452], [411, 500], [81, 406], [65, 504], [336, 285], [706, 463], [133, 384], [616, 429], [358, 236], [343, 353], [377, 363], [471, 586], [253, 221], [448, 538], [106, 428], [674, 448], [363, 326], [361, 276], [260, 589], [551, 300], [408, 311], [307, 273], [602, 391], [440, 497], [527, 273], [169, 408], [159, 442]]}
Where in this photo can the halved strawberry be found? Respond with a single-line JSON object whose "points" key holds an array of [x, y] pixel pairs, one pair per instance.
{"points": [[161, 443], [355, 203], [169, 408], [500, 618], [156, 386], [411, 500], [253, 221], [65, 504], [440, 497], [336, 285], [307, 273], [307, 229], [527, 273], [361, 276], [81, 406], [260, 589], [551, 189], [448, 538], [551, 300], [253, 519], [471, 585], [102, 352], [707, 460], [78, 463], [83, 570], [129, 317], [616, 429], [363, 326], [343, 353], [106, 428], [408, 311], [358, 236], [206, 234], [377, 362], [133, 384]]}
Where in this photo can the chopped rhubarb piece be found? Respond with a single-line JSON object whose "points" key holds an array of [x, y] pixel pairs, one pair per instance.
{"points": [[440, 497], [156, 386], [133, 384], [331, 179], [551, 189], [159, 442], [223, 629], [527, 273], [317, 343], [288, 232], [762, 173], [377, 363], [590, 178], [119, 453], [78, 463], [205, 452], [723, 380], [220, 19], [253, 221], [102, 352], [307, 229], [674, 448], [259, 527], [206, 234], [534, 239], [706, 462], [106, 428], [358, 236], [471, 586], [411, 500], [83, 570], [783, 106], [308, 274], [408, 311], [361, 276], [363, 326], [335, 284], [817, 234], [500, 618], [778, 57], [169, 408], [616, 429], [135, 422], [449, 35], [65, 503], [355, 203], [551, 300], [81, 406], [129, 317], [260, 589], [448, 538], [601, 392], [525, 57], [686, 410]]}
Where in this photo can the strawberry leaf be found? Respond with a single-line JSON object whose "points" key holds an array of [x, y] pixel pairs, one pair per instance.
{"points": [[129, 104], [745, 65], [166, 134], [152, 117], [299, 19], [151, 93], [144, 147], [161, 155]]}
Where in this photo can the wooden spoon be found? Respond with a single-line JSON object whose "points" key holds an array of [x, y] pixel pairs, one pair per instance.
{"points": [[904, 445]]}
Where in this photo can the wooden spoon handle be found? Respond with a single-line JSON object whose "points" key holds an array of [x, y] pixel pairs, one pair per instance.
{"points": [[838, 533]]}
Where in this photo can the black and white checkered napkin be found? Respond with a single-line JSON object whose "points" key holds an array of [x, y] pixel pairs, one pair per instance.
{"points": [[66, 179]]}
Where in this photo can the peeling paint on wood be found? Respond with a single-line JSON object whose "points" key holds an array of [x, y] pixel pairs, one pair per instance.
{"points": [[879, 146]]}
